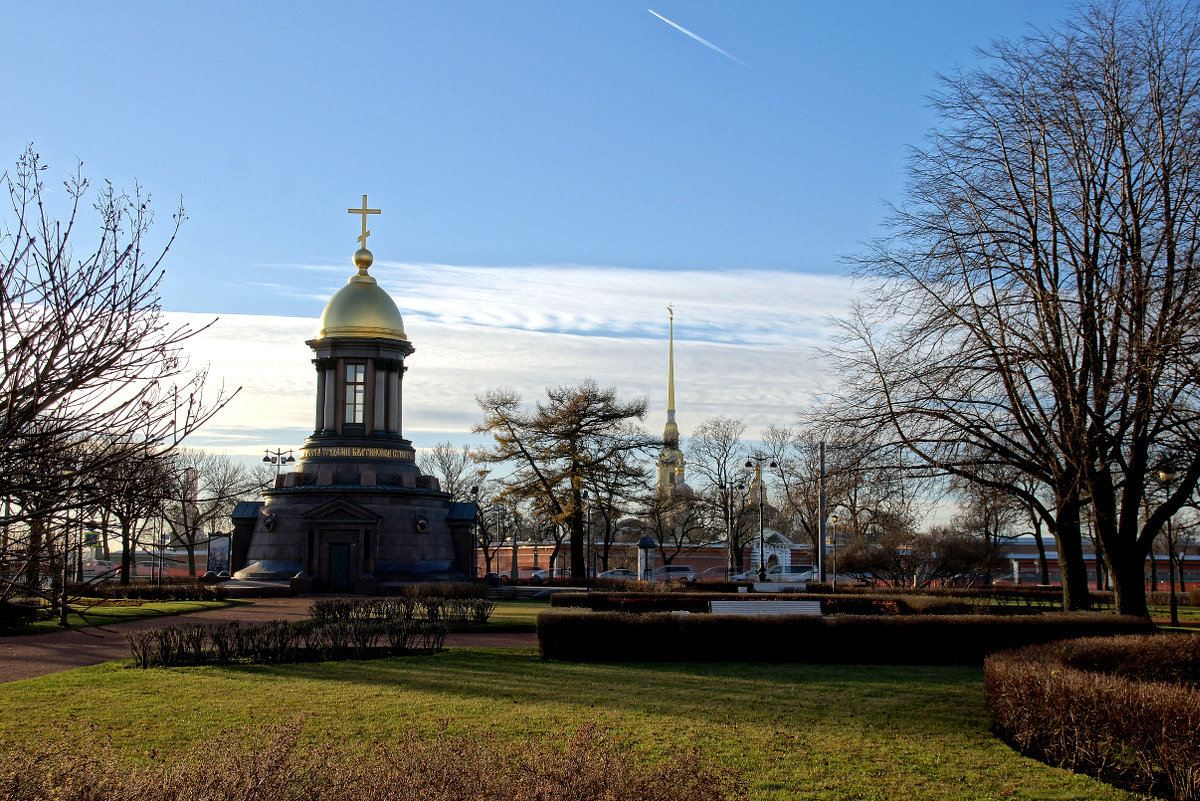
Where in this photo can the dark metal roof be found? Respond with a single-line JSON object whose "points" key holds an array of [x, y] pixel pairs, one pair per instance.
{"points": [[246, 510], [461, 511]]}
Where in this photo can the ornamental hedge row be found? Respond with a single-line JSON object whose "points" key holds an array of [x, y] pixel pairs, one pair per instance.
{"points": [[918, 639], [1125, 709], [277, 641], [839, 604]]}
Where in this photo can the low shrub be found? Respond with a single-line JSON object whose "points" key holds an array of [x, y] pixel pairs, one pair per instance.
{"points": [[17, 613], [1124, 709], [271, 764], [445, 589], [277, 641], [455, 612], [856, 639], [1163, 598], [171, 588]]}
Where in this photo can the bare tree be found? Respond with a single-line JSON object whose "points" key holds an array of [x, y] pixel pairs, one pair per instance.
{"points": [[902, 557], [87, 355], [199, 494], [454, 468], [716, 455], [1037, 302]]}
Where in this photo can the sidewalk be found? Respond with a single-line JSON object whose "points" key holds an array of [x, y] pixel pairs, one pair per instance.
{"points": [[39, 654]]}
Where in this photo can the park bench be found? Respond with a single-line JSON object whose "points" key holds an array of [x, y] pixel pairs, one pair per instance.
{"points": [[765, 607]]}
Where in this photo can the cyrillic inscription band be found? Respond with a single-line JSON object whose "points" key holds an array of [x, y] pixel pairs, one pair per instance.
{"points": [[357, 453]]}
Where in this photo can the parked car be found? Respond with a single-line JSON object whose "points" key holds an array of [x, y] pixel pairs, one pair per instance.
{"points": [[783, 573], [667, 573], [789, 573], [621, 573], [545, 574], [715, 574], [98, 568]]}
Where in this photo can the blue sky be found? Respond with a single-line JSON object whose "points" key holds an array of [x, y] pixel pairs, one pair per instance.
{"points": [[551, 175]]}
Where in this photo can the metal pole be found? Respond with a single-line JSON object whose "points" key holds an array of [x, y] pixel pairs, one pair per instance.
{"points": [[834, 560], [821, 512], [512, 574], [762, 556], [728, 493], [1171, 566]]}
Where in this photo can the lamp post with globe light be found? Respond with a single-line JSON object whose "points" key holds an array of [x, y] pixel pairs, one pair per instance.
{"points": [[756, 462]]}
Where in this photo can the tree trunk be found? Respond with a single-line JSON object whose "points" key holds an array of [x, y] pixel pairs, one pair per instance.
{"points": [[578, 559], [126, 551], [1129, 585], [33, 572], [104, 536], [1069, 540]]}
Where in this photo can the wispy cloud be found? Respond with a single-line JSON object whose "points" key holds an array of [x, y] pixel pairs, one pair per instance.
{"points": [[699, 39], [746, 346]]}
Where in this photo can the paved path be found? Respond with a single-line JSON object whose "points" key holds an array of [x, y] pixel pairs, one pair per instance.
{"points": [[39, 654]]}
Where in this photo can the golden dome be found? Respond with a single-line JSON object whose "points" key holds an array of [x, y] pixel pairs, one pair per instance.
{"points": [[361, 308]]}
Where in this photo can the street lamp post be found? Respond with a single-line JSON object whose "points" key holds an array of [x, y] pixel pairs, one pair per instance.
{"points": [[756, 463], [590, 566], [475, 533], [512, 573], [1166, 476], [278, 458], [833, 541]]}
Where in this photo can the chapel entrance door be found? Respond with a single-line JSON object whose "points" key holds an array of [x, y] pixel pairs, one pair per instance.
{"points": [[339, 568]]}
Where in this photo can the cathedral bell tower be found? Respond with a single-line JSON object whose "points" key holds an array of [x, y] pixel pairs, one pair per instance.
{"points": [[670, 459]]}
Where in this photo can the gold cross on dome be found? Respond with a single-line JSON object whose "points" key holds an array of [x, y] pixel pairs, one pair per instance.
{"points": [[364, 211]]}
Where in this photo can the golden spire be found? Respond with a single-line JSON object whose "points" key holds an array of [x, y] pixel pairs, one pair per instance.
{"points": [[363, 257], [671, 368]]}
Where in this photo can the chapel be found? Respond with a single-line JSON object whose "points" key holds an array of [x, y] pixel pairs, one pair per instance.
{"points": [[355, 514]]}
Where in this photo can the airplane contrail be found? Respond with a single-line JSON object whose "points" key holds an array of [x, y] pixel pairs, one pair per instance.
{"points": [[699, 39]]}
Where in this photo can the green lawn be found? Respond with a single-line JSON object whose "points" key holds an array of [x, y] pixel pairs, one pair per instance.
{"points": [[794, 731], [106, 615], [515, 615]]}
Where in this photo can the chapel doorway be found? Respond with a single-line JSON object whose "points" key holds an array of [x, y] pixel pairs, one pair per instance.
{"points": [[339, 568]]}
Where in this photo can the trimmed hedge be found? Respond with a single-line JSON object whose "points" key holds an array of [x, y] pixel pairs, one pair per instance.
{"points": [[839, 604], [277, 641], [1125, 709], [857, 639], [172, 588]]}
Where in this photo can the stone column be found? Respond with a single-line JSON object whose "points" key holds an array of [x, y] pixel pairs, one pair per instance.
{"points": [[328, 392], [395, 409], [381, 378], [320, 394], [331, 391]]}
